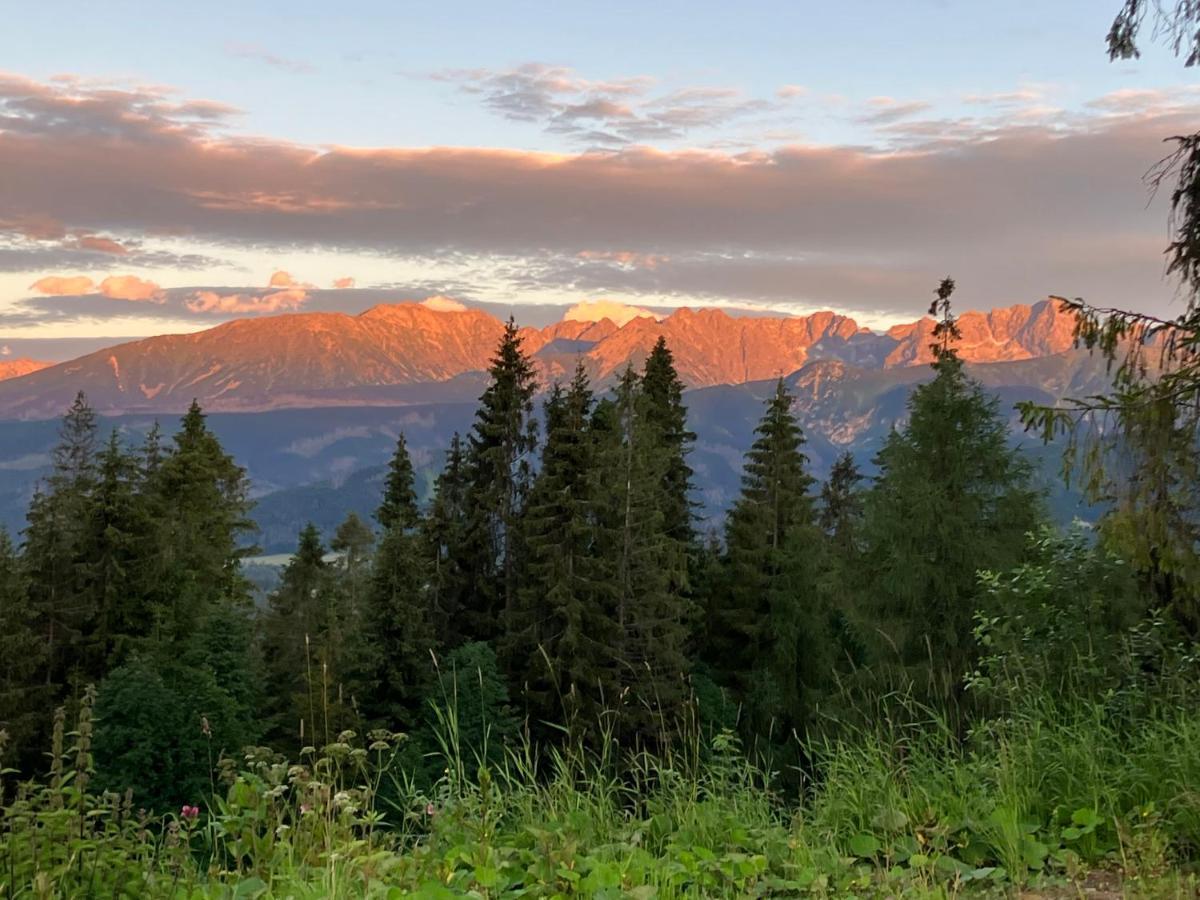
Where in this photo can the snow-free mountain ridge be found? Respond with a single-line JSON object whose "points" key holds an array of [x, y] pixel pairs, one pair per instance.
{"points": [[319, 359]]}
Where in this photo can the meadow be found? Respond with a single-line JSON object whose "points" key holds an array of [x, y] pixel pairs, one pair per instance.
{"points": [[1055, 799]]}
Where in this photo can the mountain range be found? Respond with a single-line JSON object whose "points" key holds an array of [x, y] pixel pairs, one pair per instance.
{"points": [[15, 368], [303, 360], [311, 404]]}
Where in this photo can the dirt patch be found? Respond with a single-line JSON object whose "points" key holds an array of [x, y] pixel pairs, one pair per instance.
{"points": [[1095, 886]]}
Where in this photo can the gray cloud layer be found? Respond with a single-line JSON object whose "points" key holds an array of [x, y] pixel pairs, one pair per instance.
{"points": [[601, 113], [1029, 210]]}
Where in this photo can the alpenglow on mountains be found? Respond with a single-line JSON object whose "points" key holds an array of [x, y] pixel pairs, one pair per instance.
{"points": [[383, 356]]}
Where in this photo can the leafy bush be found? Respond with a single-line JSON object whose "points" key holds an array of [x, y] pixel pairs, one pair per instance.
{"points": [[1056, 622], [160, 730]]}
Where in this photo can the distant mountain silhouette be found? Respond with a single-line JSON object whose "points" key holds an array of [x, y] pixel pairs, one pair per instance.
{"points": [[406, 353]]}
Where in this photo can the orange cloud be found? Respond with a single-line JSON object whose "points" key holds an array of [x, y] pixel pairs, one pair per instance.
{"points": [[443, 304], [343, 283], [596, 310], [101, 244], [626, 258], [276, 301], [58, 285], [130, 287], [282, 279]]}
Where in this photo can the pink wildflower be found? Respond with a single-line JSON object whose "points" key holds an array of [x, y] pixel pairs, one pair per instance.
{"points": [[190, 813], [430, 810]]}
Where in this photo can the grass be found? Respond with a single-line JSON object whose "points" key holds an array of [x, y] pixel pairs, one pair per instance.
{"points": [[1062, 799]]}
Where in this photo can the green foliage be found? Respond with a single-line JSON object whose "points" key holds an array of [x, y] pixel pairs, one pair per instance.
{"points": [[353, 540], [24, 696], [1135, 449], [399, 506], [1059, 621], [443, 532], [199, 498], [304, 647], [841, 505], [643, 560], [395, 643], [952, 498], [499, 468], [112, 549], [469, 710], [52, 552], [1053, 799], [560, 640], [662, 395], [1137, 445], [161, 728], [766, 626]]}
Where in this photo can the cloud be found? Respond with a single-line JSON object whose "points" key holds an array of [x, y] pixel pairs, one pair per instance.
{"points": [[885, 110], [791, 91], [779, 282], [343, 283], [5, 350], [1006, 98], [276, 301], [115, 287], [967, 196], [58, 285], [263, 55], [603, 113], [22, 256], [596, 310], [626, 258], [1140, 101], [39, 242], [444, 304], [101, 244], [283, 280], [130, 287]]}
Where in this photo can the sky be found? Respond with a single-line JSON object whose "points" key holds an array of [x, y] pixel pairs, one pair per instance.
{"points": [[166, 167]]}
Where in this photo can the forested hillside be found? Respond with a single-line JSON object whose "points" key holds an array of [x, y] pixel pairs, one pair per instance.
{"points": [[552, 619]]}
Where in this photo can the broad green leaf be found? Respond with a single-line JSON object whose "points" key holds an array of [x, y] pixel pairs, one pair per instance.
{"points": [[864, 845]]}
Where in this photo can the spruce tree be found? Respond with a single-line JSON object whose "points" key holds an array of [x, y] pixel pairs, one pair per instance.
{"points": [[767, 623], [301, 646], [353, 541], [399, 506], [24, 697], [639, 555], [952, 498], [75, 454], [841, 521], [499, 466], [392, 668], [113, 539], [662, 395], [559, 643], [152, 452], [841, 503], [443, 550], [199, 498], [52, 550], [394, 662]]}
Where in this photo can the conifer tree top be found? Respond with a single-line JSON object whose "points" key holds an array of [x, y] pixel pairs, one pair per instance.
{"points": [[399, 506]]}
